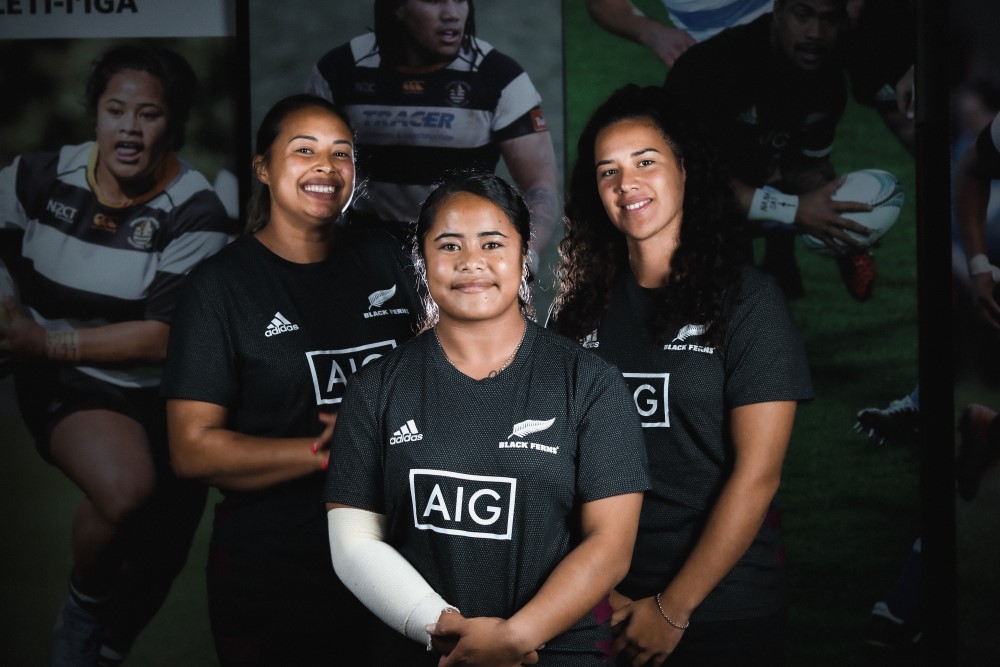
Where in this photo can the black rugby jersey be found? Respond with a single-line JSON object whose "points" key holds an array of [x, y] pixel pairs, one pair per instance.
{"points": [[88, 264], [481, 480], [274, 342], [762, 111], [683, 390], [412, 128]]}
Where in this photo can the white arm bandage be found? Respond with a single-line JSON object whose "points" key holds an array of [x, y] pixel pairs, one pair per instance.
{"points": [[770, 204], [378, 575], [981, 264]]}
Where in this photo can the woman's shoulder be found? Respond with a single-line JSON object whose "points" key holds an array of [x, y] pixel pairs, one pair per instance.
{"points": [[404, 362], [554, 347]]}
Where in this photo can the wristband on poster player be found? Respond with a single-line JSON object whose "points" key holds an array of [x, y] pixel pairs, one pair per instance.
{"points": [[979, 264], [63, 345], [769, 204]]}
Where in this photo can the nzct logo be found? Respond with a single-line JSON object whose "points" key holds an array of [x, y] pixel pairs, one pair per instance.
{"points": [[406, 433], [380, 298], [689, 331], [62, 212], [649, 391], [331, 368], [457, 504], [523, 430]]}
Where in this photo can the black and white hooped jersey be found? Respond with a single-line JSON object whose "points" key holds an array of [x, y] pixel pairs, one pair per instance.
{"points": [[763, 113], [88, 264], [412, 128], [482, 480], [683, 390], [274, 341]]}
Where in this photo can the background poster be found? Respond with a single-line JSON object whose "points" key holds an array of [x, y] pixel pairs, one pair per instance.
{"points": [[46, 51]]}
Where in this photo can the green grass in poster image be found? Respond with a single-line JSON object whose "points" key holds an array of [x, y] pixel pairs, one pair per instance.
{"points": [[850, 508]]}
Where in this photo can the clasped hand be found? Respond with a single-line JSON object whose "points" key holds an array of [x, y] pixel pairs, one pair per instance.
{"points": [[640, 631], [478, 642]]}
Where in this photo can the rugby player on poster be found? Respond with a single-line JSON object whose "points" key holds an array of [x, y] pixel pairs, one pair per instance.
{"points": [[427, 97], [107, 231]]}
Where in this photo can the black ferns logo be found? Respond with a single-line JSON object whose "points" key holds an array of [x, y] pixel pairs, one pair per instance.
{"points": [[691, 331], [376, 299]]}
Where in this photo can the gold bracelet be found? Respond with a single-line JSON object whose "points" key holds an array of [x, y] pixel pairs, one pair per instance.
{"points": [[63, 345], [664, 614]]}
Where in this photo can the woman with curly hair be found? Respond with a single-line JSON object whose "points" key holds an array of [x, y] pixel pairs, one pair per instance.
{"points": [[654, 279]]}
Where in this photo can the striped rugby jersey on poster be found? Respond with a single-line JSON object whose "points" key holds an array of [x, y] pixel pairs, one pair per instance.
{"points": [[88, 264]]}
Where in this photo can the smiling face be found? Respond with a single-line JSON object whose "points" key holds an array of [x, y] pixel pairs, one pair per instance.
{"points": [[474, 260], [434, 29], [640, 181], [806, 31], [132, 132], [309, 168]]}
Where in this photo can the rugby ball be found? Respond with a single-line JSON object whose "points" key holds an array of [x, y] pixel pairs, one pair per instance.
{"points": [[878, 188]]}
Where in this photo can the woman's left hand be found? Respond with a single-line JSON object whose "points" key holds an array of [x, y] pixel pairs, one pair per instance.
{"points": [[643, 634], [485, 641]]}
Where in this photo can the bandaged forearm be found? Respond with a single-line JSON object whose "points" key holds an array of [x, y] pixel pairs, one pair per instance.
{"points": [[378, 575], [981, 264], [773, 205]]}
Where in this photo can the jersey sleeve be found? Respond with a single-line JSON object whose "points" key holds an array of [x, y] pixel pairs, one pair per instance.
{"points": [[765, 357], [355, 475], [512, 116], [12, 215], [200, 228], [612, 452], [201, 362]]}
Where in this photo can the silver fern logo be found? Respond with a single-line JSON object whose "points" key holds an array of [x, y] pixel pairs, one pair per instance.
{"points": [[529, 426], [377, 299], [690, 331], [523, 429]]}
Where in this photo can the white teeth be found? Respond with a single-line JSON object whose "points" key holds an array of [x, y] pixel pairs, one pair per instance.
{"points": [[632, 207], [323, 189]]}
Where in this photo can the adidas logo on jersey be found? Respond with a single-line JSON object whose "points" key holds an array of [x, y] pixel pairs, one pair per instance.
{"points": [[279, 324], [590, 340], [406, 433]]}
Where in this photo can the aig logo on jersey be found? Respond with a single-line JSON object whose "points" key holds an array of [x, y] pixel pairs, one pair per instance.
{"points": [[456, 504], [649, 391], [331, 368]]}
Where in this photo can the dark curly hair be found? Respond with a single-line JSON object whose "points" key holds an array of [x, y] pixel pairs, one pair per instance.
{"points": [[174, 72], [594, 254], [391, 37]]}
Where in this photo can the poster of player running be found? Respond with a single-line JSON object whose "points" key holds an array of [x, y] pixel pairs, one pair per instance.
{"points": [[110, 107]]}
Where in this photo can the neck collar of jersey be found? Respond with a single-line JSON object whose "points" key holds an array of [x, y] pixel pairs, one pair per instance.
{"points": [[164, 174]]}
